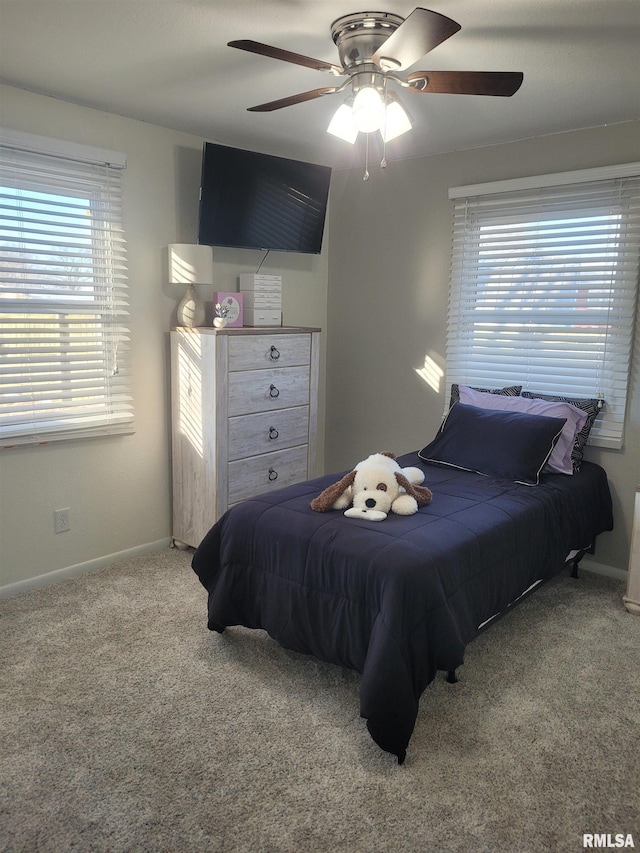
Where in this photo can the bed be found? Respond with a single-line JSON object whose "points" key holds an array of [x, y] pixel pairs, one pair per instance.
{"points": [[399, 600]]}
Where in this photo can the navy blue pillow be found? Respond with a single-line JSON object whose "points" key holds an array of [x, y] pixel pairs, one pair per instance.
{"points": [[508, 445]]}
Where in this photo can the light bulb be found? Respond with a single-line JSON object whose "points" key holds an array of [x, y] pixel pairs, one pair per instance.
{"points": [[368, 110]]}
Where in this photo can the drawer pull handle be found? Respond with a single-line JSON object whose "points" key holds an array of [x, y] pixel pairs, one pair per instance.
{"points": [[273, 475], [273, 433], [273, 391], [274, 354]]}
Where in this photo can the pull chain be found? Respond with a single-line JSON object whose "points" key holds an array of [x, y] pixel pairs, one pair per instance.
{"points": [[383, 162], [365, 177]]}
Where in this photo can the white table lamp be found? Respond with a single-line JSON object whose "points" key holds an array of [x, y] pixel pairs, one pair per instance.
{"points": [[190, 264]]}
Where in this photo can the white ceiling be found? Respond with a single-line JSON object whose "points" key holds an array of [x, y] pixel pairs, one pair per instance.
{"points": [[167, 62]]}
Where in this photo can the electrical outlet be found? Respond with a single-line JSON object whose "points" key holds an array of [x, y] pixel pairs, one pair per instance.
{"points": [[61, 520]]}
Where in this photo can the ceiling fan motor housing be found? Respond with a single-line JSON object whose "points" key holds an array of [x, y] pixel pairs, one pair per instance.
{"points": [[359, 35]]}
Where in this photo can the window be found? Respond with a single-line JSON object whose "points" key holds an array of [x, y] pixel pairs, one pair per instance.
{"points": [[543, 287], [64, 355]]}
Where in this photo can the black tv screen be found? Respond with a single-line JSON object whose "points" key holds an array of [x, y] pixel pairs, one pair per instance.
{"points": [[258, 201]]}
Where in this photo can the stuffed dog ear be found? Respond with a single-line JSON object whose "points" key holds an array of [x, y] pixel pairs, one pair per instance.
{"points": [[330, 495], [421, 493]]}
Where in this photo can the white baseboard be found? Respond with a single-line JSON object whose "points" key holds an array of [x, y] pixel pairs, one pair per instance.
{"points": [[17, 588], [602, 569]]}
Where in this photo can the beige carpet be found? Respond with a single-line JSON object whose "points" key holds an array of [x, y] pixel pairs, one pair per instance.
{"points": [[128, 726]]}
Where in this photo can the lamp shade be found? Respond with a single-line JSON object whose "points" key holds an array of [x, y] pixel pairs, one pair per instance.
{"points": [[342, 124], [396, 120], [190, 263]]}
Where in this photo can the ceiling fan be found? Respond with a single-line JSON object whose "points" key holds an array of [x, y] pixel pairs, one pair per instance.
{"points": [[373, 47]]}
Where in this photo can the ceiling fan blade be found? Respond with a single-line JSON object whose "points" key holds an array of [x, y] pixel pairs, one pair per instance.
{"points": [[293, 99], [499, 83], [419, 33], [285, 55]]}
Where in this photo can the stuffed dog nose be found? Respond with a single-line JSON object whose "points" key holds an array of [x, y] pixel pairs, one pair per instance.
{"points": [[370, 502]]}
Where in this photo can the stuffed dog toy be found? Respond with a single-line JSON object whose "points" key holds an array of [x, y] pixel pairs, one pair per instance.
{"points": [[375, 487]]}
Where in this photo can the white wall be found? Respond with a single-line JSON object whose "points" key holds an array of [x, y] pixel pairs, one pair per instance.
{"points": [[119, 489], [388, 284]]}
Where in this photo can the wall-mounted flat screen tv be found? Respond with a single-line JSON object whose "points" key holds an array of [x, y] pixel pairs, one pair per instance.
{"points": [[257, 201]]}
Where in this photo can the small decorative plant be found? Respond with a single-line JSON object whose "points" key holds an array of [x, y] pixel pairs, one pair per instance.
{"points": [[222, 312]]}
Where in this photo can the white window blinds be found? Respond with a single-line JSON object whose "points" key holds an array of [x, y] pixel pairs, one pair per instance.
{"points": [[64, 342], [543, 290]]}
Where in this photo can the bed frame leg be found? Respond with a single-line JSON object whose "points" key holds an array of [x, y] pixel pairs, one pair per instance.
{"points": [[574, 563], [452, 678]]}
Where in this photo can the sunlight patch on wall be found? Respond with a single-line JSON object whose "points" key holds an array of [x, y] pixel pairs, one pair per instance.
{"points": [[432, 371]]}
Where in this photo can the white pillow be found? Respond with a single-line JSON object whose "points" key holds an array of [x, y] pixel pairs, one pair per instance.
{"points": [[560, 460]]}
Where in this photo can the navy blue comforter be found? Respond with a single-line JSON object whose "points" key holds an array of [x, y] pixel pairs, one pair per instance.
{"points": [[399, 599]]}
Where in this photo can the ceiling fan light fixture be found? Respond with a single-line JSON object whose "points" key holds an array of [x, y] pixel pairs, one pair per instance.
{"points": [[342, 125], [395, 122], [372, 48], [368, 110]]}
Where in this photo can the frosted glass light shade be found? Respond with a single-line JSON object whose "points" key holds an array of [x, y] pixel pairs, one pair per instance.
{"points": [[396, 121], [342, 124]]}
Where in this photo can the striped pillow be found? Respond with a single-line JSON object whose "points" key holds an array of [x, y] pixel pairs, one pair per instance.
{"points": [[590, 406]]}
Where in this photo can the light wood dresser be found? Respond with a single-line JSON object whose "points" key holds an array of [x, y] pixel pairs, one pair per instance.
{"points": [[632, 598], [244, 406]]}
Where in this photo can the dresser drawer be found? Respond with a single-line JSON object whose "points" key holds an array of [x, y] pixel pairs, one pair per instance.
{"points": [[252, 352], [259, 474], [253, 391], [250, 435]]}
